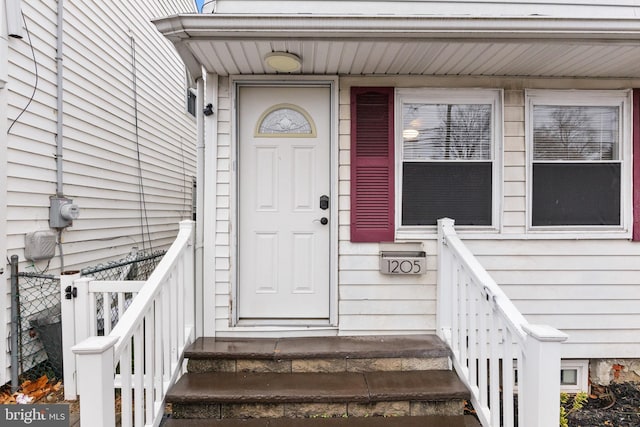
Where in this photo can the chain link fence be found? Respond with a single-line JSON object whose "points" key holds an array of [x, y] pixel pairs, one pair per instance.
{"points": [[36, 315]]}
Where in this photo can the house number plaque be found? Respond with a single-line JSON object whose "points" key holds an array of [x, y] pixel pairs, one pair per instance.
{"points": [[406, 262]]}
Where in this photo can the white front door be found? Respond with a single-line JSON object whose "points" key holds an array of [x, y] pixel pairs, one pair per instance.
{"points": [[284, 207]]}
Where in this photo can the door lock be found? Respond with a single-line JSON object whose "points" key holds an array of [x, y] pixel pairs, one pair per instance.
{"points": [[324, 202], [324, 220]]}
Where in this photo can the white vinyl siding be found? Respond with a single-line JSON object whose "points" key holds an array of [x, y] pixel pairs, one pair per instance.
{"points": [[100, 158], [100, 167], [588, 288]]}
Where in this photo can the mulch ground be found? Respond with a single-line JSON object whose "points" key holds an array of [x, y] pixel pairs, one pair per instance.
{"points": [[617, 405]]}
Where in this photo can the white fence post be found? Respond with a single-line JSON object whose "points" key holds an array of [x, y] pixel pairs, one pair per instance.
{"points": [[444, 285], [67, 313], [83, 306], [95, 381], [540, 379]]}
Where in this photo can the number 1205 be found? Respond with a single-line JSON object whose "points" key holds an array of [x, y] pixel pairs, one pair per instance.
{"points": [[403, 266]]}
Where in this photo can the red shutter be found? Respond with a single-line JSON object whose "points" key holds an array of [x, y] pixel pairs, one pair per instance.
{"points": [[372, 165], [636, 164]]}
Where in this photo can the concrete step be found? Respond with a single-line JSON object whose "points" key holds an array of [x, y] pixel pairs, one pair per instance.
{"points": [[316, 394], [319, 354], [423, 421]]}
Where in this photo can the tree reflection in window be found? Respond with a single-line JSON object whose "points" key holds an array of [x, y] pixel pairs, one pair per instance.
{"points": [[447, 132], [575, 133]]}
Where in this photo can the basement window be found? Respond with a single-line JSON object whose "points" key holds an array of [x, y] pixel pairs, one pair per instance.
{"points": [[574, 376]]}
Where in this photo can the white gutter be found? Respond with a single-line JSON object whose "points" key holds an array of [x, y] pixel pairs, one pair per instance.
{"points": [[181, 28]]}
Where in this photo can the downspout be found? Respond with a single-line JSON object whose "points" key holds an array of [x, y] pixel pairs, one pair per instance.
{"points": [[59, 91], [200, 150]]}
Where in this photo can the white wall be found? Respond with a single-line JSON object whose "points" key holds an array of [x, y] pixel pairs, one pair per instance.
{"points": [[102, 40], [589, 288]]}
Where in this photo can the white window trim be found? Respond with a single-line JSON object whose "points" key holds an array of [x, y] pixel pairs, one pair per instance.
{"points": [[494, 97], [581, 366], [619, 98]]}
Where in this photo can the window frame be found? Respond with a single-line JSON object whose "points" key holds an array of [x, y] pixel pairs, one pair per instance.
{"points": [[493, 97], [594, 98]]}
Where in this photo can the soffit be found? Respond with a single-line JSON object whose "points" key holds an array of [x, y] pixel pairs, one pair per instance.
{"points": [[378, 45]]}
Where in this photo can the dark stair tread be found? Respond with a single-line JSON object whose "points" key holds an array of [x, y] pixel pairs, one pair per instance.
{"points": [[222, 387], [355, 347], [417, 421]]}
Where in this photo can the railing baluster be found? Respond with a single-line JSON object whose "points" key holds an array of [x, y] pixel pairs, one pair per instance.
{"points": [[473, 338], [106, 312], [166, 332], [507, 379], [463, 323], [125, 385], [180, 301], [455, 319], [149, 366], [494, 369], [138, 376]]}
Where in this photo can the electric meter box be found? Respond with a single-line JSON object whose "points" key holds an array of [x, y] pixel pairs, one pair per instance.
{"points": [[40, 245], [62, 212]]}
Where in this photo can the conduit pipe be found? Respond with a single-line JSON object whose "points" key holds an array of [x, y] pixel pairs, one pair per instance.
{"points": [[59, 92]]}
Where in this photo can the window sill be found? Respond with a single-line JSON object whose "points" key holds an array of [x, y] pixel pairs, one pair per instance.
{"points": [[492, 233], [429, 232]]}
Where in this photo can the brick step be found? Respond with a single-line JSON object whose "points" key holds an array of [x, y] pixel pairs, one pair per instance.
{"points": [[319, 354], [423, 421], [360, 394]]}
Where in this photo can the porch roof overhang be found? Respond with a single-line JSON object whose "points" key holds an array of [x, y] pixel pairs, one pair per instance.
{"points": [[532, 46]]}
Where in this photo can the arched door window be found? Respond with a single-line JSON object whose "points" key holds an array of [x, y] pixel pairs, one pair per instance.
{"points": [[285, 120]]}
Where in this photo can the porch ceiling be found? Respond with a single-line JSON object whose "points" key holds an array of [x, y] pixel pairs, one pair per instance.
{"points": [[420, 45]]}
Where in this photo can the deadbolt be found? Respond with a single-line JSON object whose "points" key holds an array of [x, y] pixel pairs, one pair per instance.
{"points": [[324, 202]]}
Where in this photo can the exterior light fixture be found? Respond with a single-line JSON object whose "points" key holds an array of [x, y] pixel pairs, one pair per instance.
{"points": [[410, 134], [283, 62]]}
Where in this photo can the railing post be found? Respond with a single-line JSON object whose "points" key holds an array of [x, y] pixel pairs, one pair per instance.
{"points": [[95, 381], [540, 379], [444, 285], [67, 313], [188, 281]]}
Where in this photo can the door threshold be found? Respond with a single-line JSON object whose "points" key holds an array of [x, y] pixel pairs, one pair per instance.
{"points": [[295, 323], [277, 331]]}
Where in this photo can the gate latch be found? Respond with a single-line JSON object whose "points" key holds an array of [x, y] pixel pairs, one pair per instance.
{"points": [[70, 292]]}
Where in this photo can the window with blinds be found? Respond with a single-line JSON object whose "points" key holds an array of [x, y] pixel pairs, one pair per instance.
{"points": [[447, 146], [576, 160]]}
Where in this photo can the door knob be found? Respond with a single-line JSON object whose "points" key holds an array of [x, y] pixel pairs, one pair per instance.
{"points": [[324, 220]]}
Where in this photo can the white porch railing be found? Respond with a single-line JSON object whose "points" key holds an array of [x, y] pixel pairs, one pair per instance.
{"points": [[488, 337], [142, 355]]}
